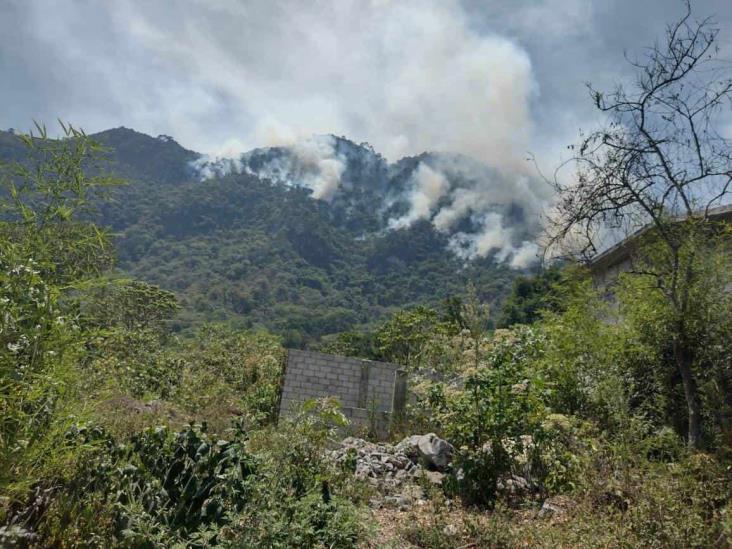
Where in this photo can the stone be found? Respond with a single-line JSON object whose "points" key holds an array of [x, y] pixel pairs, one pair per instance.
{"points": [[429, 449], [514, 485], [435, 451], [381, 465], [450, 530], [551, 507], [435, 477], [410, 447]]}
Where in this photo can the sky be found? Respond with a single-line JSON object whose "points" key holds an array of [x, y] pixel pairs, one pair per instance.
{"points": [[494, 79]]}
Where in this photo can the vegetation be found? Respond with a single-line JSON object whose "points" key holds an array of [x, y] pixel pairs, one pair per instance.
{"points": [[662, 160], [255, 254], [113, 431], [124, 424], [117, 432]]}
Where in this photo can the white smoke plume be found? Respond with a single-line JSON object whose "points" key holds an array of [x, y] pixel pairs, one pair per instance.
{"points": [[495, 238], [406, 76], [312, 162], [429, 187], [322, 168], [454, 189], [526, 255]]}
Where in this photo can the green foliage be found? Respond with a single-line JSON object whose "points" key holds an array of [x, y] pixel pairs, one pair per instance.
{"points": [[179, 482], [45, 251], [100, 391], [403, 338], [128, 304], [229, 372], [699, 336], [530, 295], [583, 356], [46, 197], [495, 420], [349, 344], [141, 365], [156, 489], [302, 499]]}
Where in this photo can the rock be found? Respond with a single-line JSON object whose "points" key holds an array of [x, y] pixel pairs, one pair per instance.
{"points": [[514, 486], [552, 507], [435, 451], [410, 447], [450, 530], [399, 501], [435, 477], [430, 449], [390, 469], [382, 465]]}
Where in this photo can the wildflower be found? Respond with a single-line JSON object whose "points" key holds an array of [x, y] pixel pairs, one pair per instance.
{"points": [[14, 347]]}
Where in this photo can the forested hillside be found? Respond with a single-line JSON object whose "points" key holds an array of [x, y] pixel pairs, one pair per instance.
{"points": [[261, 252]]}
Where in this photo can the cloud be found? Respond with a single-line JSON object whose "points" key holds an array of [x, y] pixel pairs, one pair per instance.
{"points": [[405, 76]]}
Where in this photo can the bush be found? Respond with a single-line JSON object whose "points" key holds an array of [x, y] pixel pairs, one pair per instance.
{"points": [[302, 499], [158, 486], [495, 419], [231, 373]]}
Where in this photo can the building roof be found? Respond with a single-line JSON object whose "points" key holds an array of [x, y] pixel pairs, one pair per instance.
{"points": [[621, 250]]}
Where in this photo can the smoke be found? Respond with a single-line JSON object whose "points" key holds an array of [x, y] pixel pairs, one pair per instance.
{"points": [[312, 162], [484, 210], [493, 237], [211, 167], [429, 187], [405, 76], [322, 168], [226, 77]]}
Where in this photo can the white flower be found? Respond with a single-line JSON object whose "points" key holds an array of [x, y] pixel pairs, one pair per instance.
{"points": [[14, 347]]}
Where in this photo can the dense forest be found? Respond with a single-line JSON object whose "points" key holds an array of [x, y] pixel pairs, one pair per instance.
{"points": [[258, 253]]}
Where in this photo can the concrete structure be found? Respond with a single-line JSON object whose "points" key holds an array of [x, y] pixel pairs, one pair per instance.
{"points": [[371, 393], [618, 259]]}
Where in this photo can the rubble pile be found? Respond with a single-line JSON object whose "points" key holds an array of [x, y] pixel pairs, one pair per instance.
{"points": [[382, 465]]}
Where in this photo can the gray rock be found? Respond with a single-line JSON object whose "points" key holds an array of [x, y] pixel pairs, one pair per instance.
{"points": [[549, 509], [435, 477], [428, 449], [450, 530], [410, 447], [381, 465], [514, 485], [435, 451]]}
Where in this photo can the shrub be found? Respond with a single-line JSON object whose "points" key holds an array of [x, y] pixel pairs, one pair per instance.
{"points": [[159, 485], [302, 499], [495, 418]]}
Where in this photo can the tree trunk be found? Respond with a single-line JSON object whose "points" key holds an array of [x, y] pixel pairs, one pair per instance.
{"points": [[684, 359]]}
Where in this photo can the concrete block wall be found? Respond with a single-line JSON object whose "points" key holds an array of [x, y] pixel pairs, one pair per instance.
{"points": [[363, 387]]}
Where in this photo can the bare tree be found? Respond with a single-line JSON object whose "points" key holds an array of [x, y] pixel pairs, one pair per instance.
{"points": [[662, 162]]}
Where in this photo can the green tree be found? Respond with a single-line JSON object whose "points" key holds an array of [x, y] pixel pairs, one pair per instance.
{"points": [[128, 304], [403, 338], [662, 161], [47, 251], [530, 295]]}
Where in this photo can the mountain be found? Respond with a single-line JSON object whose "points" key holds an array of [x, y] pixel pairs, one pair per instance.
{"points": [[307, 240]]}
